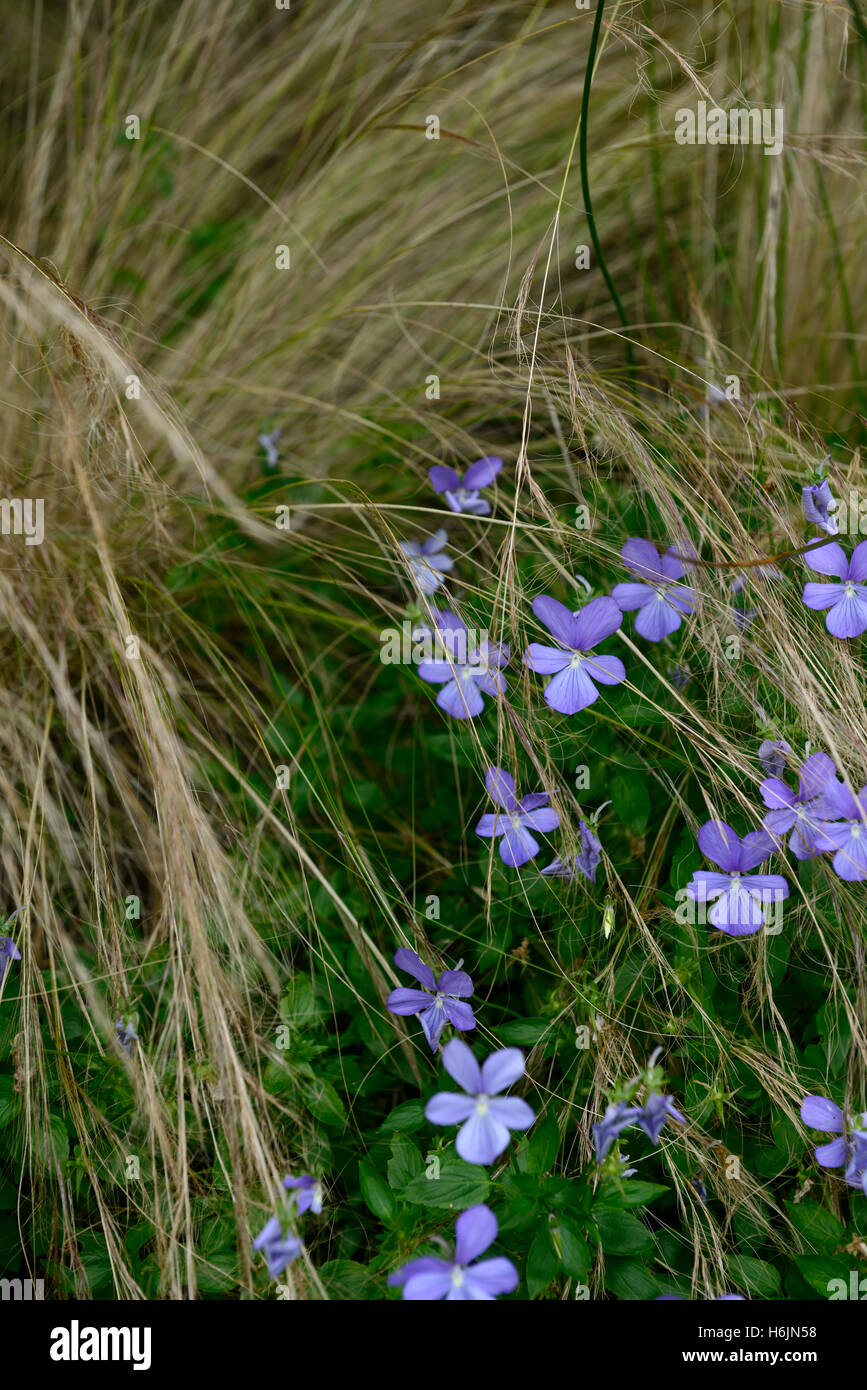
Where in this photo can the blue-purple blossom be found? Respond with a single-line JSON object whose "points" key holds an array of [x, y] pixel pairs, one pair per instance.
{"points": [[269, 443], [279, 1249], [585, 861], [738, 896], [849, 1149], [570, 663], [515, 819], [800, 812], [429, 1278], [661, 601], [846, 602], [126, 1035], [485, 1116], [464, 681], [818, 503], [615, 1119], [426, 562], [653, 1114], [772, 756], [462, 493], [438, 1002], [8, 952], [847, 840], [308, 1191]]}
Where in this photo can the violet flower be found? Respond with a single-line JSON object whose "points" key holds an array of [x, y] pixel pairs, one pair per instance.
{"points": [[585, 861], [126, 1035], [570, 663], [818, 504], [309, 1193], [426, 563], [439, 1001], [515, 819], [739, 895], [849, 1149], [279, 1250], [269, 443], [8, 952], [484, 1115], [463, 683], [772, 756], [800, 812], [653, 1114], [429, 1278], [848, 839], [462, 494], [846, 602], [660, 600], [615, 1119]]}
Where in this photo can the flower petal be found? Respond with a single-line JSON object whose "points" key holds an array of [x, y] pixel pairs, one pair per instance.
{"points": [[491, 1277], [570, 691], [517, 847], [483, 472], [828, 559], [449, 1108], [462, 1066], [719, 843], [407, 960], [657, 619], [643, 558], [821, 1113], [500, 787], [557, 618], [512, 1112], [407, 1001], [630, 596], [501, 1069], [456, 982], [443, 479], [481, 1139], [607, 670], [546, 660], [596, 621], [475, 1230]]}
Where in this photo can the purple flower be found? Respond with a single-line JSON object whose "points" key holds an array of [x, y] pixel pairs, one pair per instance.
{"points": [[846, 602], [740, 896], [654, 1113], [484, 1115], [615, 1119], [438, 1003], [573, 669], [848, 839], [8, 952], [269, 443], [309, 1196], [126, 1035], [800, 811], [515, 819], [279, 1250], [462, 494], [428, 1278], [850, 1146], [661, 601], [818, 503], [425, 562], [585, 861], [772, 756], [461, 695]]}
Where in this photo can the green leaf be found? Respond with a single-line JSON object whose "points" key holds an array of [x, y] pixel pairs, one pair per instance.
{"points": [[347, 1280], [756, 1275], [524, 1034], [630, 1281], [634, 1194], [577, 1257], [820, 1229], [323, 1101], [819, 1271], [405, 1119], [542, 1262], [631, 801], [405, 1163], [543, 1146], [376, 1193], [620, 1232], [458, 1186]]}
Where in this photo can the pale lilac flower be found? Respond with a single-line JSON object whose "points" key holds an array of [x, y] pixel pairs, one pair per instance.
{"points": [[849, 1149], [585, 861], [818, 504], [439, 1001], [126, 1035], [426, 562], [462, 494], [279, 1249], [661, 601], [484, 1115], [615, 1119], [429, 1278], [309, 1193], [653, 1114], [570, 663], [846, 602], [772, 756], [515, 819], [739, 895], [463, 682], [800, 812], [8, 952], [269, 443], [848, 839]]}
